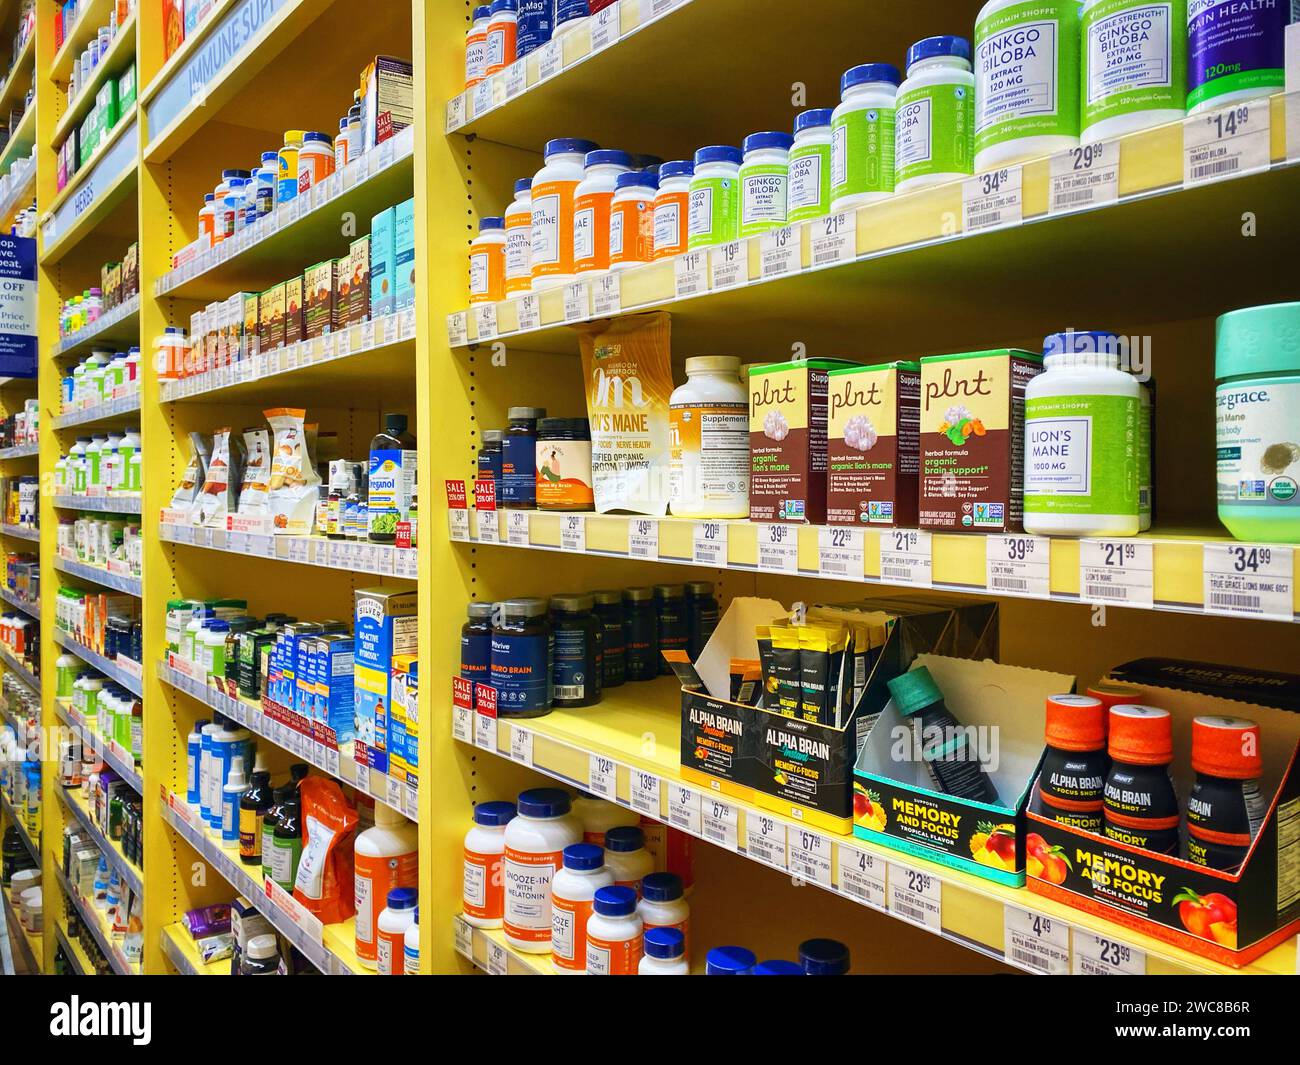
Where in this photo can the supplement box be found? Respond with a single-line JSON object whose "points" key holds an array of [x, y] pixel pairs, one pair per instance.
{"points": [[799, 768], [972, 439], [270, 329], [1229, 917], [294, 323], [356, 286], [383, 255], [386, 626], [787, 440], [318, 283], [403, 758], [334, 701], [873, 445], [1001, 710], [388, 99], [404, 254], [250, 340]]}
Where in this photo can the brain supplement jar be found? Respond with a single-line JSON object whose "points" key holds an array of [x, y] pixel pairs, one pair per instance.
{"points": [[714, 210], [709, 440], [862, 136], [665, 953], [672, 208], [614, 933], [1073, 780], [578, 665], [523, 649], [519, 237], [1257, 422], [1226, 808], [564, 465], [483, 896], [641, 632], [764, 180], [1140, 806], [476, 46], [553, 191], [670, 620], [1134, 56], [502, 33], [487, 262], [1235, 50], [593, 201], [824, 957], [517, 489], [632, 220], [536, 19], [476, 643], [1081, 439], [534, 848], [609, 609], [808, 189], [1026, 80], [701, 616], [573, 894], [934, 133]]}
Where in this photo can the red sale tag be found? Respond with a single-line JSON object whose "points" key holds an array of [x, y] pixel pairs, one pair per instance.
{"points": [[403, 534], [485, 493], [462, 693], [485, 700], [456, 495]]}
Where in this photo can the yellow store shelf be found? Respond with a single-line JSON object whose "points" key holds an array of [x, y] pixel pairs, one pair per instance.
{"points": [[81, 963], [179, 947], [19, 79], [93, 919], [93, 14], [112, 64], [487, 949], [28, 942]]}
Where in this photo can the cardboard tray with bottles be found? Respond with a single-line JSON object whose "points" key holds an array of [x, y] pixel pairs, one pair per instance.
{"points": [[798, 768], [1000, 710], [1229, 917]]}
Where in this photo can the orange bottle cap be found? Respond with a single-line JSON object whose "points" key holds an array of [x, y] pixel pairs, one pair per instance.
{"points": [[1226, 747], [1075, 723], [1112, 693], [1141, 735]]}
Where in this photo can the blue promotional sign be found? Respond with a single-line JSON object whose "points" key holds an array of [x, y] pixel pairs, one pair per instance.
{"points": [[17, 307]]}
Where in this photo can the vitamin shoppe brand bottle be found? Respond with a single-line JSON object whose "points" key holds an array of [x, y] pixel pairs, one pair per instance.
{"points": [[631, 221], [862, 136], [1134, 56], [714, 208], [934, 134], [1141, 808], [592, 203], [487, 262], [1027, 80], [1072, 784], [553, 191], [519, 237], [1226, 807], [483, 894], [665, 953], [502, 36], [476, 46], [938, 740], [598, 816], [672, 208], [824, 957], [729, 961], [523, 656], [764, 182], [663, 905], [391, 928], [614, 934], [808, 193], [534, 847], [709, 441], [626, 856], [392, 479], [387, 857], [573, 893]]}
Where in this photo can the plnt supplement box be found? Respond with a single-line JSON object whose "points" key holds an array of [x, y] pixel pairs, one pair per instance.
{"points": [[873, 445], [404, 254], [787, 440], [973, 439], [386, 625]]}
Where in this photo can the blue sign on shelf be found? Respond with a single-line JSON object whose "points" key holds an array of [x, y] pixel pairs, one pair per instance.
{"points": [[17, 307]]}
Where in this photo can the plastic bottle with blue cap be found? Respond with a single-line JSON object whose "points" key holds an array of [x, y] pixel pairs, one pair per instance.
{"points": [[394, 920], [1134, 57], [476, 45], [593, 201], [777, 967], [614, 933], [483, 890], [534, 852], [626, 856], [764, 182], [519, 234], [663, 904], [573, 893], [536, 22], [553, 190], [714, 207], [411, 946], [664, 953], [487, 262], [672, 208], [824, 957], [502, 36], [729, 961], [862, 136], [808, 190], [934, 133], [631, 220]]}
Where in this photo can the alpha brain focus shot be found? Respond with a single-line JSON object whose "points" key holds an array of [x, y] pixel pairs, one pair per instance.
{"points": [[1141, 808], [1226, 807], [1072, 784]]}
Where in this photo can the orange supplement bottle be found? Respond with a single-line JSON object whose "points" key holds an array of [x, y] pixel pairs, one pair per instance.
{"points": [[632, 220], [554, 188], [593, 202], [487, 262]]}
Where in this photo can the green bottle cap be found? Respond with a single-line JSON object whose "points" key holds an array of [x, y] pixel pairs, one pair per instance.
{"points": [[914, 691]]}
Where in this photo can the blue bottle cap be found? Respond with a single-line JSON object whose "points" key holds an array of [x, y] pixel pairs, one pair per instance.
{"points": [[524, 184], [666, 943], [870, 73], [482, 12], [777, 968], [615, 901], [677, 168], [824, 957], [623, 839], [208, 197], [403, 898], [756, 142], [584, 857], [729, 961], [226, 175], [569, 146], [543, 802], [316, 136], [504, 5], [814, 119], [343, 124], [494, 814], [936, 47], [636, 179], [608, 157], [661, 887], [1085, 342], [486, 224], [719, 153]]}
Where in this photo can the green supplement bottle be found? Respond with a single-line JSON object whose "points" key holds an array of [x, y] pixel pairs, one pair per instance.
{"points": [[862, 136], [934, 136], [714, 204], [286, 845], [808, 194]]}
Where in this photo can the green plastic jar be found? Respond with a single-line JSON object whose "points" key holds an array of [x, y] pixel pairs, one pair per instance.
{"points": [[1257, 422]]}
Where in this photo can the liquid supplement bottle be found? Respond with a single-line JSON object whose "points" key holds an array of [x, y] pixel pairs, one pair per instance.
{"points": [[1072, 785], [1226, 807], [1141, 807]]}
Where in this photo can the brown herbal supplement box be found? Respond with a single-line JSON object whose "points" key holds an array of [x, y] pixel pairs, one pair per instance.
{"points": [[358, 282], [131, 271], [252, 342], [972, 439], [271, 317], [294, 323], [787, 440], [318, 285], [873, 445]]}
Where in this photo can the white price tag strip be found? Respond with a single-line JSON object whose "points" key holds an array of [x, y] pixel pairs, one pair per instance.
{"points": [[719, 823], [1094, 955], [916, 896], [489, 526], [1248, 580], [1018, 565], [604, 27], [778, 548], [573, 532], [709, 544], [1035, 942], [907, 557], [521, 746], [690, 274], [729, 265], [861, 876], [992, 200], [834, 239], [529, 310], [517, 527], [643, 538], [1084, 177], [485, 732], [1119, 572], [765, 839], [840, 552], [645, 793], [606, 296], [602, 777], [1227, 143], [779, 252], [577, 301], [684, 808], [809, 856]]}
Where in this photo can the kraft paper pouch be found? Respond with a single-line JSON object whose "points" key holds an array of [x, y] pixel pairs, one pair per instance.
{"points": [[256, 482], [294, 479], [195, 471], [628, 381], [218, 497]]}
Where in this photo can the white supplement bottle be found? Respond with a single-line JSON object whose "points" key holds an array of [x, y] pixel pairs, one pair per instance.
{"points": [[808, 192], [593, 200], [386, 857], [476, 46], [573, 892], [672, 207], [862, 136], [396, 918], [709, 457], [519, 233], [631, 220], [627, 858], [411, 945], [665, 953], [483, 893], [1081, 433], [1026, 80], [1134, 56], [535, 842], [598, 816], [554, 186], [764, 180], [714, 211], [934, 132], [614, 934], [663, 904], [502, 36]]}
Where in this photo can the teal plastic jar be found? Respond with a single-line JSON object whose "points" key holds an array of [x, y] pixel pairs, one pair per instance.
{"points": [[1257, 422]]}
